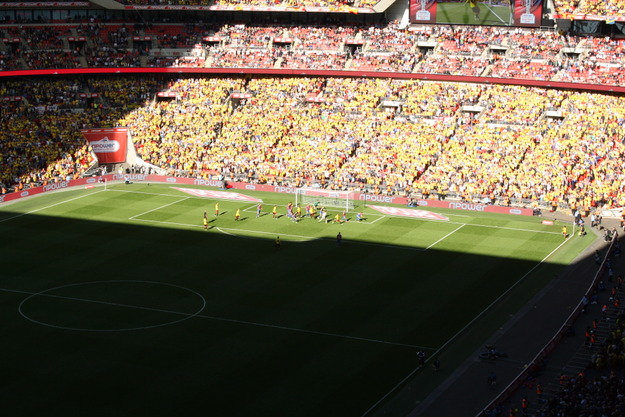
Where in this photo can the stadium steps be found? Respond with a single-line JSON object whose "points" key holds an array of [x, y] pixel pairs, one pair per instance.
{"points": [[108, 4], [583, 357], [382, 5], [581, 361]]}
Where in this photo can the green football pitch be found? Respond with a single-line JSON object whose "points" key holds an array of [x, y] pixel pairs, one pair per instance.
{"points": [[118, 302], [461, 14]]}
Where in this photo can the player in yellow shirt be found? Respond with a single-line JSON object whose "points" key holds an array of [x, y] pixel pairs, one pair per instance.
{"points": [[237, 215], [475, 8]]}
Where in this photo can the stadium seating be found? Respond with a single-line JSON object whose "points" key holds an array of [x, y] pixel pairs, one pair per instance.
{"points": [[470, 51]]}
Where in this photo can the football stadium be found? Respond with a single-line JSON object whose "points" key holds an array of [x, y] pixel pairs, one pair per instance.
{"points": [[356, 208]]}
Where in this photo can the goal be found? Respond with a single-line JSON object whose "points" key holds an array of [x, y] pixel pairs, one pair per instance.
{"points": [[325, 198]]}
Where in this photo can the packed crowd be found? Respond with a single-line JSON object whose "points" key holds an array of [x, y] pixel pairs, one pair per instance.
{"points": [[471, 51], [389, 62], [582, 396], [591, 7], [401, 137], [40, 139]]}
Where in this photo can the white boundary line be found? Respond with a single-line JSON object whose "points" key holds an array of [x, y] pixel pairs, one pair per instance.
{"points": [[190, 315], [309, 239], [250, 209], [158, 208], [493, 12], [444, 237], [163, 222], [488, 307], [378, 219], [52, 205], [508, 228], [261, 232]]}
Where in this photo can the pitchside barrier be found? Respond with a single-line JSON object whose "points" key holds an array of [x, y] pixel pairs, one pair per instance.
{"points": [[362, 198]]}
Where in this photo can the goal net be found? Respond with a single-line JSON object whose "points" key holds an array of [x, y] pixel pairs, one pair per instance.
{"points": [[325, 198]]}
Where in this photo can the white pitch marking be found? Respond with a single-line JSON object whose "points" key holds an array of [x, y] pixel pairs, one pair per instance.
{"points": [[309, 238], [260, 232], [163, 222], [378, 219], [47, 207], [488, 307], [508, 228], [251, 323], [250, 209], [477, 225], [158, 208], [444, 237]]}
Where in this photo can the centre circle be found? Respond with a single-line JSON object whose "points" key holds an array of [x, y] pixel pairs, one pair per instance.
{"points": [[110, 306]]}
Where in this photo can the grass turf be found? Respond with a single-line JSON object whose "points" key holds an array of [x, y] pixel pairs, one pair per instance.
{"points": [[119, 302]]}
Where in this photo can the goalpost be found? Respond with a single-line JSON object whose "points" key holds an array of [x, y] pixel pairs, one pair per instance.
{"points": [[325, 198]]}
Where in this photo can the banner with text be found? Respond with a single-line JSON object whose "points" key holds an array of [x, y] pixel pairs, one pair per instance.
{"points": [[109, 145]]}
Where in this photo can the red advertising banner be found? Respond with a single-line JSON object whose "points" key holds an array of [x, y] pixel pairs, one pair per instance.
{"points": [[528, 12], [423, 11], [109, 145]]}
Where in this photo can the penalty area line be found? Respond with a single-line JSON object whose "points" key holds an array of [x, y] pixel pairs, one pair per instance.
{"points": [[162, 222], [228, 231], [445, 237], [224, 230], [376, 220], [157, 208]]}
